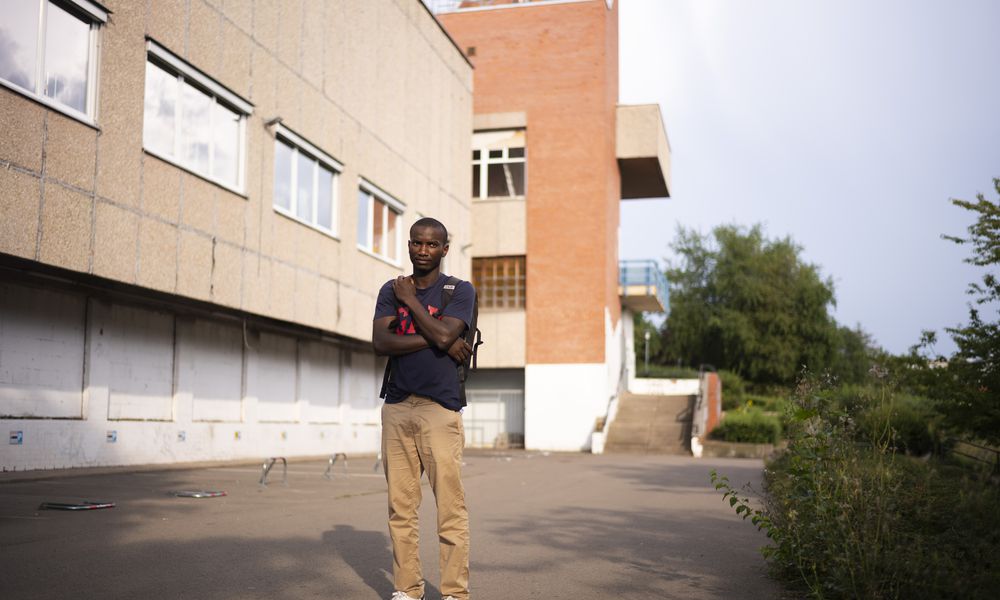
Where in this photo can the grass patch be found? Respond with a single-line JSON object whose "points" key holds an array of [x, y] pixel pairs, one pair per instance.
{"points": [[667, 372]]}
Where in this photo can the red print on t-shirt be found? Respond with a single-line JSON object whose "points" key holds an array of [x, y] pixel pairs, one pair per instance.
{"points": [[405, 325]]}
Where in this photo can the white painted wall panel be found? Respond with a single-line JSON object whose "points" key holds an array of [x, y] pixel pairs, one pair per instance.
{"points": [[364, 375], [275, 376], [140, 355], [41, 353], [561, 405], [665, 387], [319, 382], [210, 358], [503, 334]]}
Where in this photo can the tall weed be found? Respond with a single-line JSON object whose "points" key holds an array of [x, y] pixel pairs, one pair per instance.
{"points": [[850, 516]]}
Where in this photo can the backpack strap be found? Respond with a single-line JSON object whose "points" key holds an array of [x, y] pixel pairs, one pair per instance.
{"points": [[388, 363], [449, 290], [385, 378]]}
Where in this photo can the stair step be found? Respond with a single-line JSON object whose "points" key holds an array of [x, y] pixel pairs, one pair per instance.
{"points": [[651, 425]]}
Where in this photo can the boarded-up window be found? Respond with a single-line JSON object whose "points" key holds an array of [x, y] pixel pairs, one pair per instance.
{"points": [[275, 379], [140, 347], [41, 353], [363, 371], [211, 369], [319, 383], [499, 281]]}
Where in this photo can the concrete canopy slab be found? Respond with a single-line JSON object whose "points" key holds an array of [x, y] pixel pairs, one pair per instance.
{"points": [[643, 152]]}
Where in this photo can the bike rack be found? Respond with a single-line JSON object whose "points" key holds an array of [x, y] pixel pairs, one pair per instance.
{"points": [[198, 494], [333, 460], [268, 465]]}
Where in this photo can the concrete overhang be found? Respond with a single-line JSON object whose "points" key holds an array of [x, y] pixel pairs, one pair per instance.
{"points": [[640, 298], [643, 152], [507, 120]]}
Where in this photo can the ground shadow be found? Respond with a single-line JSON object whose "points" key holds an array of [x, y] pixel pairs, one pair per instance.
{"points": [[369, 554]]}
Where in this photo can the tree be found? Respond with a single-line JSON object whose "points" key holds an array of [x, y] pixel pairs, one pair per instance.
{"points": [[742, 302], [971, 395]]}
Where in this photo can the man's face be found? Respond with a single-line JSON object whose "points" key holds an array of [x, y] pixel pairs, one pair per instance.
{"points": [[427, 247]]}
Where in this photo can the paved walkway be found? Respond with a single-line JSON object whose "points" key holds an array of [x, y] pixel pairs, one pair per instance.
{"points": [[559, 526]]}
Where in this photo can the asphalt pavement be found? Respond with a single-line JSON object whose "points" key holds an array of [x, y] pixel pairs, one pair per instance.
{"points": [[544, 525]]}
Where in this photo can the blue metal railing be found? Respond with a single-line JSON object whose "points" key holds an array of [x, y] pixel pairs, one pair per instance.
{"points": [[644, 273]]}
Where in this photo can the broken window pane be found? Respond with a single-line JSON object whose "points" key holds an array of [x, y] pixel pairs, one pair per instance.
{"points": [[515, 178]]}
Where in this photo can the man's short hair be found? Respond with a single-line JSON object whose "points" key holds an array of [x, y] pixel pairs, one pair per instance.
{"points": [[433, 223]]}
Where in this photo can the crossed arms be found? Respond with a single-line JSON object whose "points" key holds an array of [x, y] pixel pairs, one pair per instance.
{"points": [[444, 334]]}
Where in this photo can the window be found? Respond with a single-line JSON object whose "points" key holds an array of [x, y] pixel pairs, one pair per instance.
{"points": [[48, 52], [499, 281], [498, 164], [192, 121], [305, 181], [378, 222]]}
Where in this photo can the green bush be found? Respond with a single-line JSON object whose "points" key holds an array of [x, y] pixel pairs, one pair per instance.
{"points": [[862, 520], [733, 390], [748, 425], [775, 404]]}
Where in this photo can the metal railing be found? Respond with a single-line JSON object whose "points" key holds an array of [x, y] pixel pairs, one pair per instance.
{"points": [[644, 273]]}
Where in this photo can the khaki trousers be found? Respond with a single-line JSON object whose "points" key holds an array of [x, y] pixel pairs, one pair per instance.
{"points": [[418, 435]]}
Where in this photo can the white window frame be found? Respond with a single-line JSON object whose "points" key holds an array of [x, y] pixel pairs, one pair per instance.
{"points": [[164, 59], [374, 192], [98, 18], [482, 164], [298, 145]]}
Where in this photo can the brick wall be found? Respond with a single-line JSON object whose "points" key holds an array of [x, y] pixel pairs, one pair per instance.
{"points": [[558, 63]]}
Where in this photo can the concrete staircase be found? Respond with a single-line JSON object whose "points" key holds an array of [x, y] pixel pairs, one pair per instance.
{"points": [[651, 425]]}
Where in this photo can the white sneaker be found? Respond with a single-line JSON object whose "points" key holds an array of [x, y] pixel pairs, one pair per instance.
{"points": [[403, 596]]}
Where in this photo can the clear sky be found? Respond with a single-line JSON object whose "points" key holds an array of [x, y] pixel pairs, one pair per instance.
{"points": [[845, 124]]}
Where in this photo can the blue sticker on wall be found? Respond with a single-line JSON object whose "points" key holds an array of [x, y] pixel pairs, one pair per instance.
{"points": [[16, 438], [112, 437], [182, 436]]}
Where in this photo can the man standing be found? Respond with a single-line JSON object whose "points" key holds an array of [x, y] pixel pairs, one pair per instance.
{"points": [[421, 423]]}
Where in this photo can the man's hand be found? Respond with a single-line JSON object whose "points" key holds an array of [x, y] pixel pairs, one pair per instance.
{"points": [[405, 290], [460, 351]]}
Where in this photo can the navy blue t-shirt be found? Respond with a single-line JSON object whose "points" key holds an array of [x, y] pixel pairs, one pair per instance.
{"points": [[428, 372]]}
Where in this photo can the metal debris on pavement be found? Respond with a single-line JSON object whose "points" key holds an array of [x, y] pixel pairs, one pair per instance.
{"points": [[198, 494], [85, 505]]}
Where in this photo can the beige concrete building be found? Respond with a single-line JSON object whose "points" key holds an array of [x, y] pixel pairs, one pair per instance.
{"points": [[199, 200]]}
